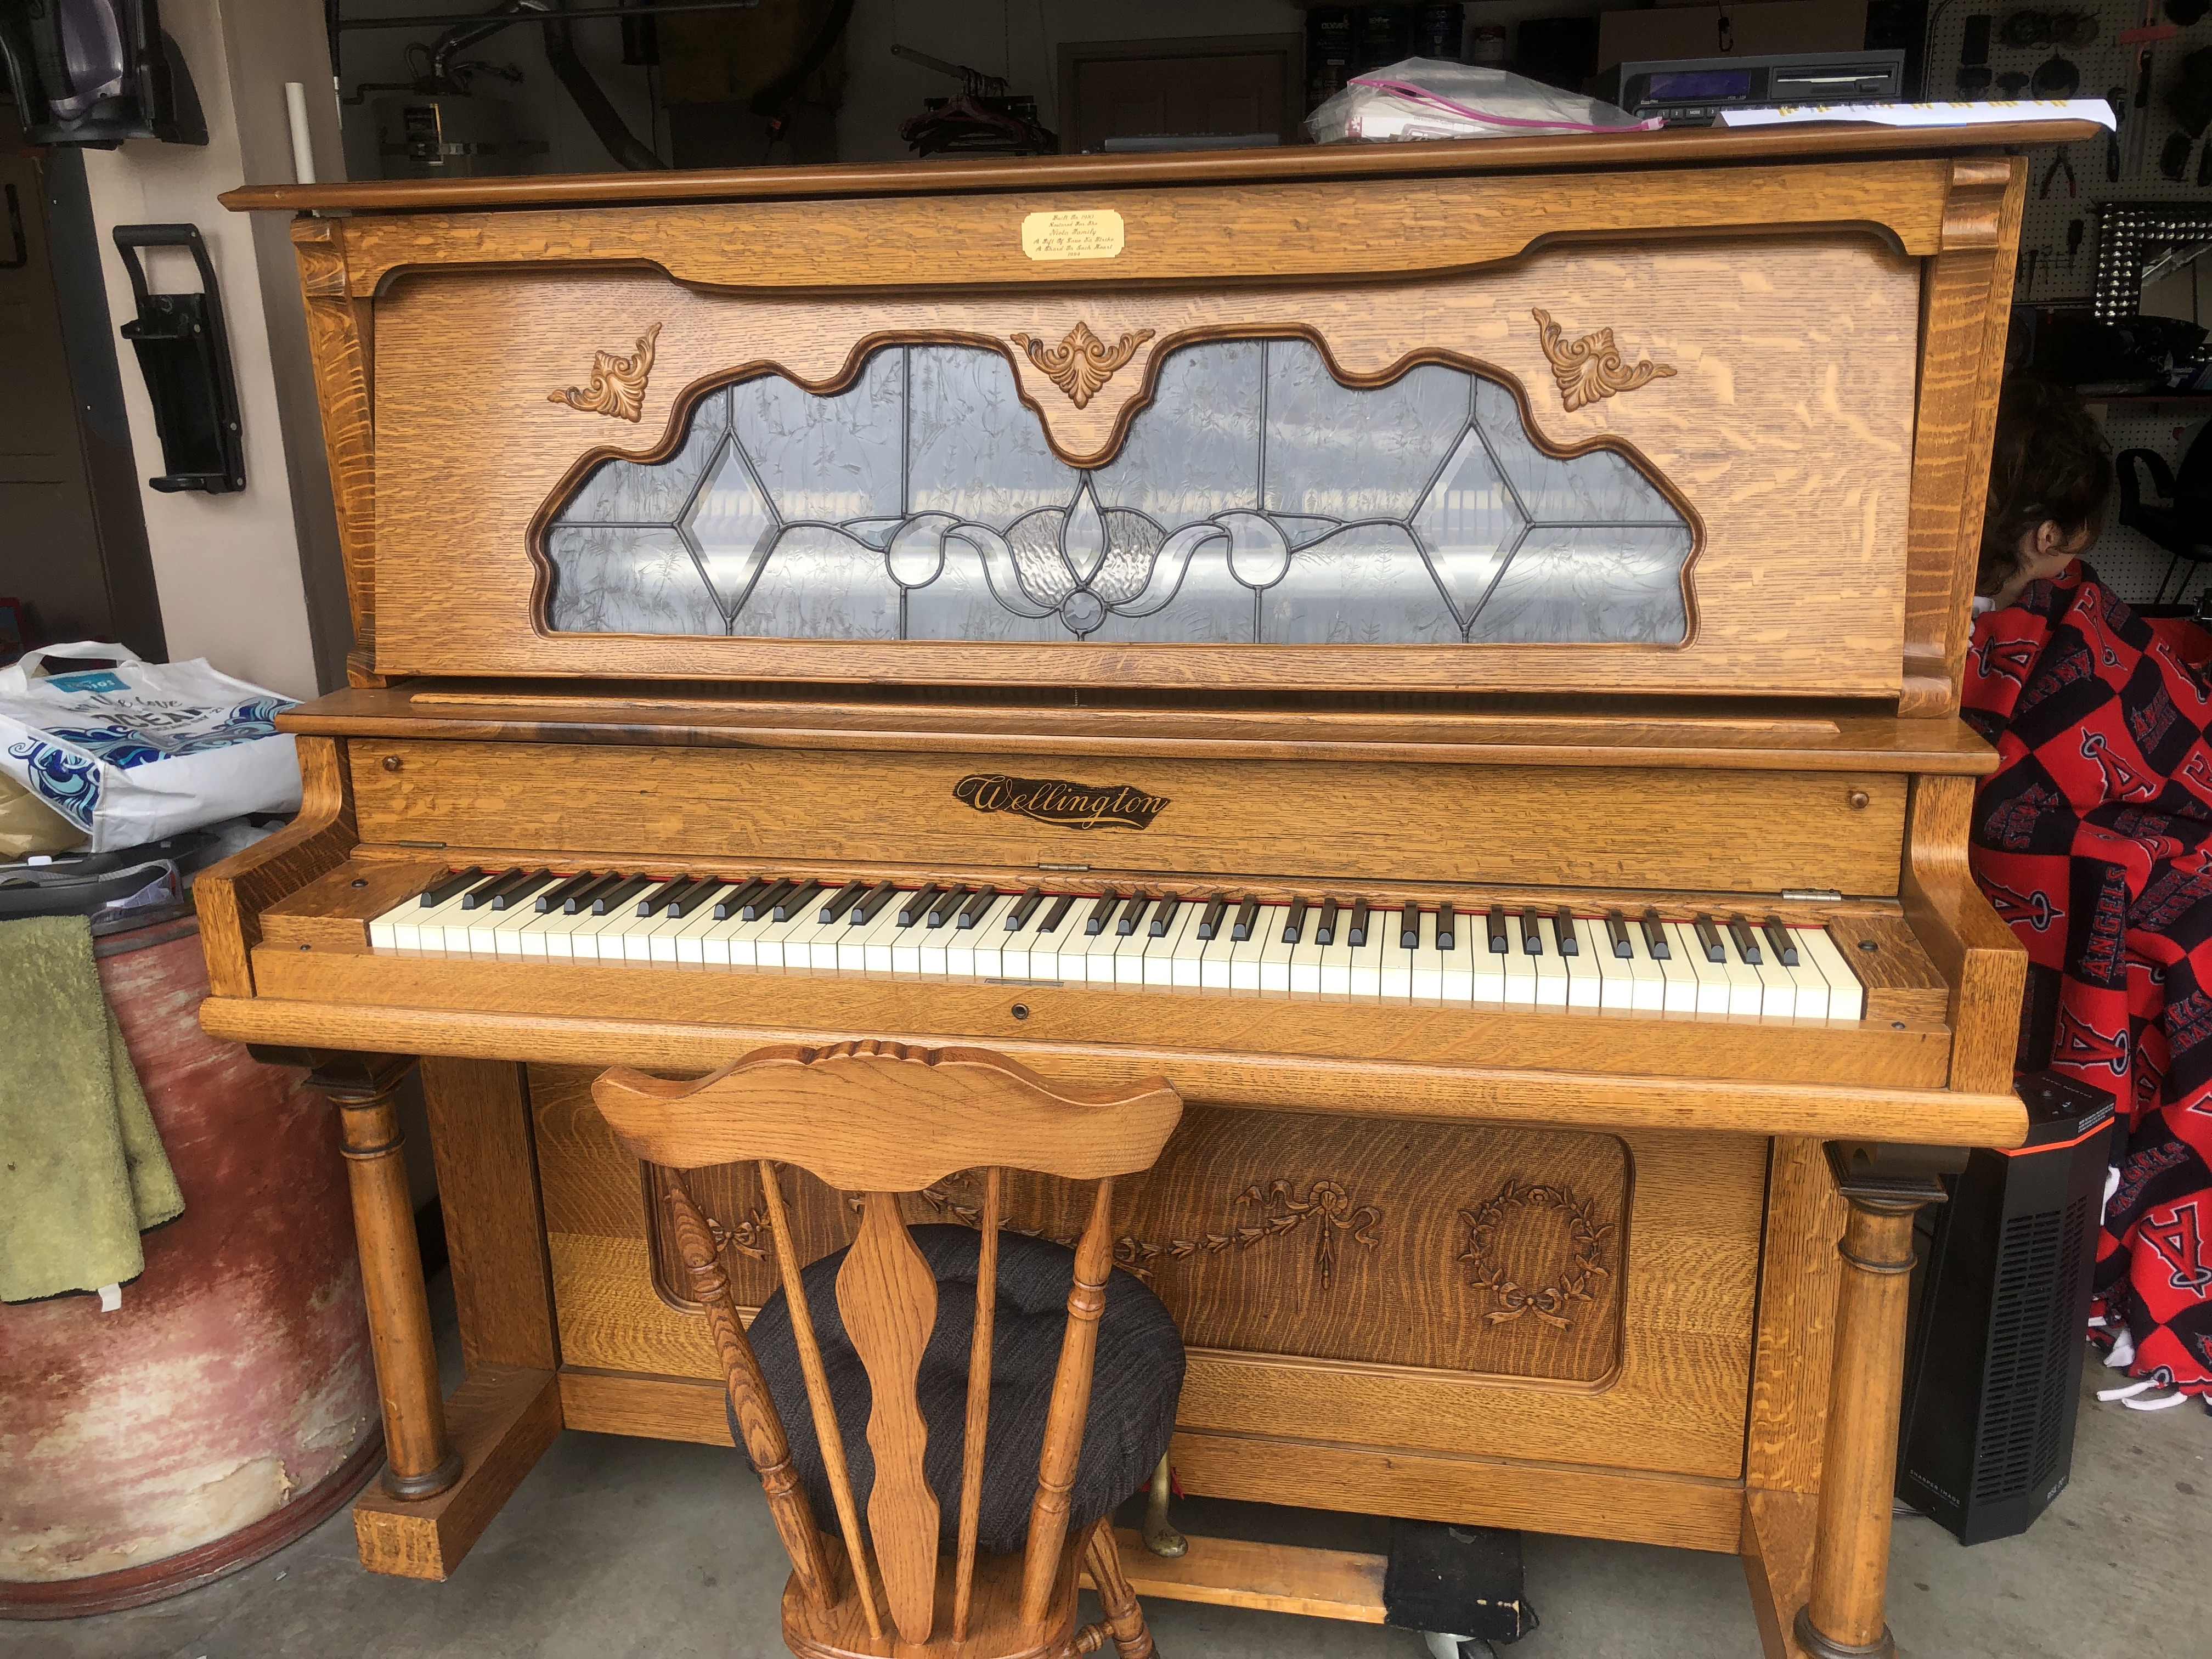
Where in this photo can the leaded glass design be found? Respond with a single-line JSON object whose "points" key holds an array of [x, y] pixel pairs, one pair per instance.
{"points": [[1256, 500]]}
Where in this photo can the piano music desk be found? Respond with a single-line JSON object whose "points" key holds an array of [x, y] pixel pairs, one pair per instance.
{"points": [[828, 526]]}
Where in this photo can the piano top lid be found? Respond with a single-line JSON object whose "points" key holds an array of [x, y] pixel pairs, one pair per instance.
{"points": [[1668, 147]]}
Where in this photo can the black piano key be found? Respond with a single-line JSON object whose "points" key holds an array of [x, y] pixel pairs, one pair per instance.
{"points": [[1709, 938], [484, 893], [1447, 927], [869, 904], [1500, 941], [554, 897], [690, 895], [1132, 913], [580, 902], [1248, 915], [1785, 945], [734, 905], [945, 906], [621, 894], [841, 900], [1294, 924], [1325, 929], [1102, 912], [795, 902], [657, 896], [765, 902], [1747, 946], [515, 896], [1655, 936], [1209, 925], [1057, 915], [453, 885], [1164, 915], [1532, 936], [972, 912], [915, 906], [1616, 929], [1355, 932], [1019, 917], [1409, 928], [1563, 924]]}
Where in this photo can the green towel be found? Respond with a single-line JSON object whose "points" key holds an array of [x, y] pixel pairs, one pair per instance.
{"points": [[81, 1168]]}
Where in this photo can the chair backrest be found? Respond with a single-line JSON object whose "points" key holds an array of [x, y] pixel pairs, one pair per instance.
{"points": [[880, 1119]]}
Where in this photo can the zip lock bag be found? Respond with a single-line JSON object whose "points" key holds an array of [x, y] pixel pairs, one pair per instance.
{"points": [[142, 750]]}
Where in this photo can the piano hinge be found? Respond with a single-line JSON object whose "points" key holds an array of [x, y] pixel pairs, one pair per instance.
{"points": [[1063, 866], [418, 843], [1812, 895]]}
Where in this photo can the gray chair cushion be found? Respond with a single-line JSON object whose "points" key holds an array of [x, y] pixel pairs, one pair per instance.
{"points": [[1133, 1390]]}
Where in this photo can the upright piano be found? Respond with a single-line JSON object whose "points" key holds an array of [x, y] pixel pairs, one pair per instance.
{"points": [[1448, 654]]}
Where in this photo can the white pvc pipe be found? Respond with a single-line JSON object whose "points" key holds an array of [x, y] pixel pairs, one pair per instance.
{"points": [[303, 149]]}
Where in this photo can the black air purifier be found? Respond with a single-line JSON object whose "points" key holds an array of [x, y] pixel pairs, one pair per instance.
{"points": [[1993, 1366]]}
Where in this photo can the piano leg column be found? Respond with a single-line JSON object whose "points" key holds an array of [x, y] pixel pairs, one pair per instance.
{"points": [[422, 1461], [1843, 1618]]}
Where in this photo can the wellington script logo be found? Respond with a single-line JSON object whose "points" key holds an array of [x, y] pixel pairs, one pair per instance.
{"points": [[1055, 800]]}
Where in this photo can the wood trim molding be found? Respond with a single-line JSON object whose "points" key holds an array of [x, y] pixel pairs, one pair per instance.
{"points": [[340, 340], [231, 895]]}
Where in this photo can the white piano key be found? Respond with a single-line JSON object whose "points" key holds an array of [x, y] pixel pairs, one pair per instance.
{"points": [[1307, 954], [1777, 992], [1806, 980], [1551, 968], [1244, 953], [1846, 993], [1459, 962], [687, 941], [661, 943], [1428, 963], [1747, 990], [1275, 950], [1518, 967], [1647, 975], [1214, 960], [1161, 955], [1586, 975], [867, 948], [1185, 958], [979, 953], [1397, 965], [418, 927], [1682, 967]]}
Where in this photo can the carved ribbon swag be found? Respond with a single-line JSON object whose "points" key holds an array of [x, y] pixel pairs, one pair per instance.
{"points": [[1082, 362], [1591, 368], [617, 384]]}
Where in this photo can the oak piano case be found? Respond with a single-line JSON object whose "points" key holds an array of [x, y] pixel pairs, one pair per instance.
{"points": [[1447, 654]]}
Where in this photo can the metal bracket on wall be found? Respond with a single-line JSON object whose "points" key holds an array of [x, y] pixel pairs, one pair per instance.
{"points": [[185, 354]]}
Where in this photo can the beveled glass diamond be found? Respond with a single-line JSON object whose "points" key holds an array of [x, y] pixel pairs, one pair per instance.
{"points": [[731, 525], [1467, 523]]}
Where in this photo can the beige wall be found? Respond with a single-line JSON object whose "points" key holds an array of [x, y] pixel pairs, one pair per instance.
{"points": [[229, 568]]}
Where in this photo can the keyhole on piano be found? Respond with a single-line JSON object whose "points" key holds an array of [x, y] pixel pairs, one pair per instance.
{"points": [[1858, 797], [391, 762], [1021, 1011]]}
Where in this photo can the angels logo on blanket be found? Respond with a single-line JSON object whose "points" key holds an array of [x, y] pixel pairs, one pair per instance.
{"points": [[2093, 839]]}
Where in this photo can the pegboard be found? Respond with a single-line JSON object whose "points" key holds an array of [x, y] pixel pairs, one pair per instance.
{"points": [[2105, 64]]}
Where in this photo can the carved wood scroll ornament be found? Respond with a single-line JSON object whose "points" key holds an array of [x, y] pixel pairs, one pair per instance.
{"points": [[1282, 1210], [1082, 362], [1487, 1225], [1591, 368], [617, 384]]}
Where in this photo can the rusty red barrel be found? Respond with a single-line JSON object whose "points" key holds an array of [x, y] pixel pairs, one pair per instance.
{"points": [[230, 1404]]}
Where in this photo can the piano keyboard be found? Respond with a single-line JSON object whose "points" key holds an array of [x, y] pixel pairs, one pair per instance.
{"points": [[1555, 957]]}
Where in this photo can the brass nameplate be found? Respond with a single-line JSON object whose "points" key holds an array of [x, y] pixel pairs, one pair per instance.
{"points": [[1055, 800], [1077, 233]]}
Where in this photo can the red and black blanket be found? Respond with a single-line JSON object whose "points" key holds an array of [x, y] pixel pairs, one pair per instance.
{"points": [[2093, 839]]}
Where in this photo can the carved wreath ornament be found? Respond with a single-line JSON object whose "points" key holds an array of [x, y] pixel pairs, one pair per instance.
{"points": [[1487, 1225], [1591, 368], [617, 384], [1082, 362]]}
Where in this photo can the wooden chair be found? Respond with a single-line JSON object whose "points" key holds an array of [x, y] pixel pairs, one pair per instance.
{"points": [[877, 1119]]}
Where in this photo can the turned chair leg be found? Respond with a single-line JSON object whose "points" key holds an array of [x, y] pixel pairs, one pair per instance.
{"points": [[1160, 1538], [1123, 1616]]}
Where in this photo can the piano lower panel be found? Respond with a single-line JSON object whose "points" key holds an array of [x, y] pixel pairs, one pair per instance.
{"points": [[1646, 1246]]}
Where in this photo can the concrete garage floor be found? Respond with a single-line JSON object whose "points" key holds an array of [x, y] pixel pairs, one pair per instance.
{"points": [[635, 1549]]}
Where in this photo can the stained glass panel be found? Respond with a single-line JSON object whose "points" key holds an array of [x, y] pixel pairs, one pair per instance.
{"points": [[1256, 499]]}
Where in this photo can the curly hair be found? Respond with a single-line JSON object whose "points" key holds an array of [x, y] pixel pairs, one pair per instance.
{"points": [[2049, 463]]}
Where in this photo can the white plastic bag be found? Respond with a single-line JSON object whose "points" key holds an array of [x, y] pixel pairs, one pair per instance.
{"points": [[1431, 98], [141, 750]]}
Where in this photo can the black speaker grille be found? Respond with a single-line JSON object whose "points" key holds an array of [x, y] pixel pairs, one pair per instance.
{"points": [[2024, 1392]]}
